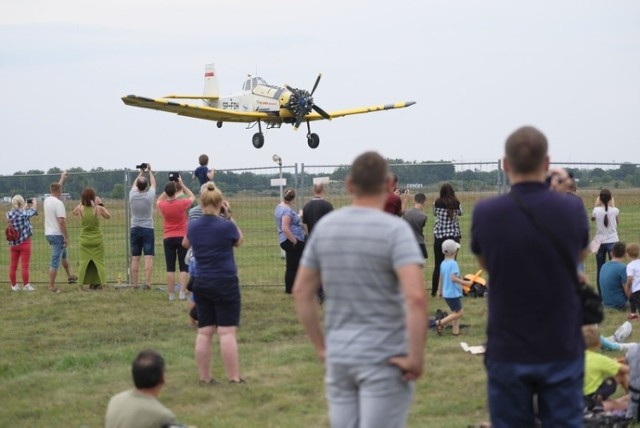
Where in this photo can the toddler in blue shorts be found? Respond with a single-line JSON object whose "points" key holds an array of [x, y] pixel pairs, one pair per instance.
{"points": [[451, 287]]}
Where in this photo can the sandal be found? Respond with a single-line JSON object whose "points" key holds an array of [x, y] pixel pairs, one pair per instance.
{"points": [[73, 279], [146, 287], [439, 327], [54, 290]]}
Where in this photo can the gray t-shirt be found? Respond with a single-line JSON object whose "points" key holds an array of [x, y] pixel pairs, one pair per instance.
{"points": [[416, 219], [142, 207], [356, 250], [133, 409]]}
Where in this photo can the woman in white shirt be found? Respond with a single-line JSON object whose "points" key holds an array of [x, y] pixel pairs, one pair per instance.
{"points": [[605, 214]]}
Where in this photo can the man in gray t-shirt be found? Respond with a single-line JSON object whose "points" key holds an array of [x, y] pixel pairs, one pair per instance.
{"points": [[417, 219], [142, 234], [376, 316]]}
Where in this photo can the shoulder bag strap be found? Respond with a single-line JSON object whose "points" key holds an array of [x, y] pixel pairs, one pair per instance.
{"points": [[564, 253]]}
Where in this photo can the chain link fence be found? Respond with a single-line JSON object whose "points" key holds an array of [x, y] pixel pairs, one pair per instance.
{"points": [[254, 193]]}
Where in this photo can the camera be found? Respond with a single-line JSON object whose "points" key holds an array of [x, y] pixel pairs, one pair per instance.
{"points": [[173, 176], [30, 200], [142, 166]]}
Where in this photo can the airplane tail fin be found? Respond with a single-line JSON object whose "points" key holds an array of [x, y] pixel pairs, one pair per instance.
{"points": [[210, 81]]}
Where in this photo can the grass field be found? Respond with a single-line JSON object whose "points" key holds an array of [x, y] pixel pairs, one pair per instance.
{"points": [[64, 355]]}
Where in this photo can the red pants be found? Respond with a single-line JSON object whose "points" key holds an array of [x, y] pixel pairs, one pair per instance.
{"points": [[20, 252]]}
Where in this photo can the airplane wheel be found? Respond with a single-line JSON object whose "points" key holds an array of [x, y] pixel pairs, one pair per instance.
{"points": [[219, 124], [258, 140], [313, 140]]}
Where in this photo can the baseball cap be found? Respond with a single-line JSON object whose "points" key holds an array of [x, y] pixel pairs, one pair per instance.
{"points": [[449, 247]]}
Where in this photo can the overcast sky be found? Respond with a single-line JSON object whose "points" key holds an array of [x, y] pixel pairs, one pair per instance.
{"points": [[477, 69]]}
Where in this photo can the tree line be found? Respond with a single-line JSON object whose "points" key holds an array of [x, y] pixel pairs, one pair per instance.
{"points": [[427, 174]]}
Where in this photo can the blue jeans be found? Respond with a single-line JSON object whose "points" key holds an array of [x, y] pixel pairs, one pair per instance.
{"points": [[557, 386], [601, 258]]}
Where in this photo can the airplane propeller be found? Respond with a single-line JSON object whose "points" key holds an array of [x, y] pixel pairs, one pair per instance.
{"points": [[301, 103]]}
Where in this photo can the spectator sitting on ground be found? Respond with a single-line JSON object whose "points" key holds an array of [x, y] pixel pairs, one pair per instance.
{"points": [[602, 375], [613, 277], [139, 407]]}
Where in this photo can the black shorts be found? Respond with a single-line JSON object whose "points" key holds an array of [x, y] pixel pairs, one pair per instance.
{"points": [[604, 391], [173, 248], [217, 301]]}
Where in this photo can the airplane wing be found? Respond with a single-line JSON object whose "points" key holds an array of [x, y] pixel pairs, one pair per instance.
{"points": [[199, 112], [360, 110]]}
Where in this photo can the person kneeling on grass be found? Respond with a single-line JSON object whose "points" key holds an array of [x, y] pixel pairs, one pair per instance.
{"points": [[602, 375], [451, 287]]}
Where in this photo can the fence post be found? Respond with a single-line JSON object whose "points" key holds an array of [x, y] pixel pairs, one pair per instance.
{"points": [[127, 214], [302, 198]]}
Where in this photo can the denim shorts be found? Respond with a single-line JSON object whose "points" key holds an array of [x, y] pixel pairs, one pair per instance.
{"points": [[142, 239], [59, 252], [455, 304]]}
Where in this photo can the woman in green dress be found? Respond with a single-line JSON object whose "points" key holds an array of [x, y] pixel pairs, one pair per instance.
{"points": [[92, 266]]}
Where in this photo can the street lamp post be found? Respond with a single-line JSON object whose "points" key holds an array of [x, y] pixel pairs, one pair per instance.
{"points": [[277, 159]]}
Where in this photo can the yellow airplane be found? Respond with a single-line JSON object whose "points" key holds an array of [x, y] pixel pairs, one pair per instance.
{"points": [[258, 102]]}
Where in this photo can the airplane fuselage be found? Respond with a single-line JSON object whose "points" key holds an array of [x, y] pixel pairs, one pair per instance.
{"points": [[258, 96]]}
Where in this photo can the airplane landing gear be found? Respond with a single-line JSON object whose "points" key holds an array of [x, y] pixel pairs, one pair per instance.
{"points": [[313, 140], [258, 137], [219, 124], [258, 140]]}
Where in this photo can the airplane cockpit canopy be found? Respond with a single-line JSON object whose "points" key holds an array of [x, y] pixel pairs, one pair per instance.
{"points": [[252, 82]]}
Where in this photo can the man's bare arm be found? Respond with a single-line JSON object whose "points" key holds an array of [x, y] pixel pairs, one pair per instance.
{"points": [[63, 178], [63, 228], [304, 292], [411, 282]]}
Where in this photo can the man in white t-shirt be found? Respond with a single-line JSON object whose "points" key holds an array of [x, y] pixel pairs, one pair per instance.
{"points": [[55, 230]]}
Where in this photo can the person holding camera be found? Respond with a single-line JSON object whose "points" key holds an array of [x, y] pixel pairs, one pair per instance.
{"points": [[141, 197], [174, 214], [92, 270], [535, 347], [20, 249]]}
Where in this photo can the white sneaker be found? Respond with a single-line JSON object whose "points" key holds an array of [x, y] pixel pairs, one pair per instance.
{"points": [[28, 287], [15, 287], [172, 296], [182, 295]]}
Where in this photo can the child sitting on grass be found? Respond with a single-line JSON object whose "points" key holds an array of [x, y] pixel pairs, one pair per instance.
{"points": [[632, 287], [602, 375], [451, 287]]}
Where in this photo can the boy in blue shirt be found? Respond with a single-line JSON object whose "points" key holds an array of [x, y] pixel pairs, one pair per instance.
{"points": [[451, 287], [203, 173]]}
